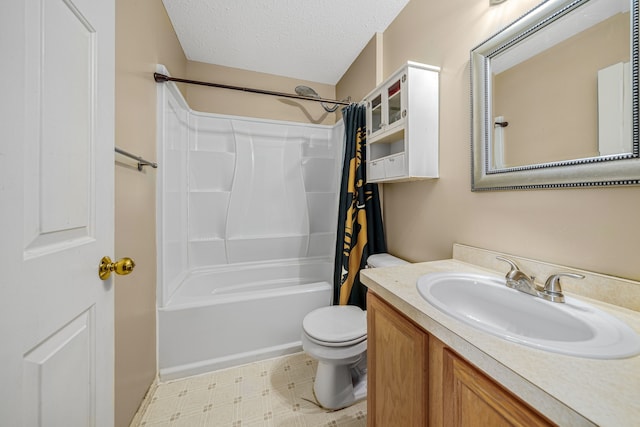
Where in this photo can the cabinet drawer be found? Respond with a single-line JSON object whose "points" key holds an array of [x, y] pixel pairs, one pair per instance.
{"points": [[394, 166], [376, 170]]}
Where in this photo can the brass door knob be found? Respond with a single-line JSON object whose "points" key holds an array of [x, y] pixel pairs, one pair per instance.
{"points": [[123, 266]]}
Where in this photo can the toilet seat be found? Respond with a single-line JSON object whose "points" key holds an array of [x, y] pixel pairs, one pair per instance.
{"points": [[336, 326], [336, 344]]}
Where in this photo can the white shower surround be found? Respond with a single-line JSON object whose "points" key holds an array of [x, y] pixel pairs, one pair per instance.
{"points": [[244, 194]]}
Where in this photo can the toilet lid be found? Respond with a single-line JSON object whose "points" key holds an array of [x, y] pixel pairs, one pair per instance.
{"points": [[337, 324]]}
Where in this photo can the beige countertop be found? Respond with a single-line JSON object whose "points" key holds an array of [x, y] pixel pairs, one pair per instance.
{"points": [[568, 390]]}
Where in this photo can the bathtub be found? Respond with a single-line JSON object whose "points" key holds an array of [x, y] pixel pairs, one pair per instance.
{"points": [[235, 314]]}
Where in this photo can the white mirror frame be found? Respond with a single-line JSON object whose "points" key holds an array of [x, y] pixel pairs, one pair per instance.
{"points": [[588, 172]]}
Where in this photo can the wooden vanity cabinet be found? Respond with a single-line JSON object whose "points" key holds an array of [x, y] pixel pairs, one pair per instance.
{"points": [[415, 380], [470, 398], [397, 370]]}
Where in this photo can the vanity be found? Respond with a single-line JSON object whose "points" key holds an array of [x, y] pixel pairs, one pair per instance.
{"points": [[428, 368]]}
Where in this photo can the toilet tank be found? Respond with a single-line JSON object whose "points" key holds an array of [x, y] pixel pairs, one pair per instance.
{"points": [[384, 260]]}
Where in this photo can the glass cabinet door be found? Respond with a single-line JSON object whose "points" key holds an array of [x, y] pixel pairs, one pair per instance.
{"points": [[376, 113], [394, 96]]}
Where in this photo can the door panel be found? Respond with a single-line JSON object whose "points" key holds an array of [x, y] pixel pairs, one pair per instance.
{"points": [[61, 51], [67, 134], [61, 365]]}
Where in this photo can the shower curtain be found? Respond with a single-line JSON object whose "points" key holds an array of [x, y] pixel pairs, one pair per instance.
{"points": [[360, 229]]}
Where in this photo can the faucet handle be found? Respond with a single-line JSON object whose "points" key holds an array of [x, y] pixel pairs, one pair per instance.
{"points": [[553, 290], [513, 265], [515, 270], [515, 273], [517, 279]]}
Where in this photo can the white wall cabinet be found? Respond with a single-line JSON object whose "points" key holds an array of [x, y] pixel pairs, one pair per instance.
{"points": [[402, 125]]}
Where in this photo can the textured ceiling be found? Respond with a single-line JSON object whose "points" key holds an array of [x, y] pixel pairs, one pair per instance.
{"points": [[312, 40]]}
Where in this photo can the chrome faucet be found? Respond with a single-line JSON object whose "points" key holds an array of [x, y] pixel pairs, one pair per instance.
{"points": [[520, 281]]}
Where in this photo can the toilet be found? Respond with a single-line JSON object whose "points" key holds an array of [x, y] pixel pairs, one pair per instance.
{"points": [[336, 336]]}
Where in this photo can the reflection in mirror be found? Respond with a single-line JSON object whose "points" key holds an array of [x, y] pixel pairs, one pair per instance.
{"points": [[551, 89], [552, 96]]}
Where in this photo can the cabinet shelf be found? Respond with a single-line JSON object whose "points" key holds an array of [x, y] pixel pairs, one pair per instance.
{"points": [[402, 125], [389, 137]]}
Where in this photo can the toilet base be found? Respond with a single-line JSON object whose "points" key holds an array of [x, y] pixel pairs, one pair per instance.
{"points": [[339, 386]]}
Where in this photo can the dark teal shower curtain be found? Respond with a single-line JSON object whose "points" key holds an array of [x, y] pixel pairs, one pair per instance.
{"points": [[360, 229]]}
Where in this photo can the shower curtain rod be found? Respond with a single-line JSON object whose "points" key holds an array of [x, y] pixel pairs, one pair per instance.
{"points": [[162, 78]]}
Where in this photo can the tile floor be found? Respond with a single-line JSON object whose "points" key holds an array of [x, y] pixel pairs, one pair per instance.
{"points": [[272, 393]]}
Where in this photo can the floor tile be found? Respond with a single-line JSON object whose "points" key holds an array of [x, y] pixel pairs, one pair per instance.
{"points": [[272, 393]]}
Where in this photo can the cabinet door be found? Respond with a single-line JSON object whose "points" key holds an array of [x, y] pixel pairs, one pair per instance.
{"points": [[395, 110], [375, 115], [472, 399], [397, 368]]}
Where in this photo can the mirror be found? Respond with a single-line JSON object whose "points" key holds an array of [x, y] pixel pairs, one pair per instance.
{"points": [[554, 98]]}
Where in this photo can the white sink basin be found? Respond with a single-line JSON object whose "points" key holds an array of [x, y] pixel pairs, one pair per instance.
{"points": [[573, 328]]}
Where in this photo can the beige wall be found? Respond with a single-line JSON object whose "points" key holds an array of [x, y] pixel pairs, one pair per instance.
{"points": [[522, 94], [226, 101], [360, 78], [594, 229], [144, 37]]}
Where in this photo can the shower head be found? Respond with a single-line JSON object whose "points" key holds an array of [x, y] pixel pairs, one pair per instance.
{"points": [[309, 92], [306, 91]]}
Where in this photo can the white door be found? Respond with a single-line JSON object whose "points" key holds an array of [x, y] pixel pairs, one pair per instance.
{"points": [[56, 212]]}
